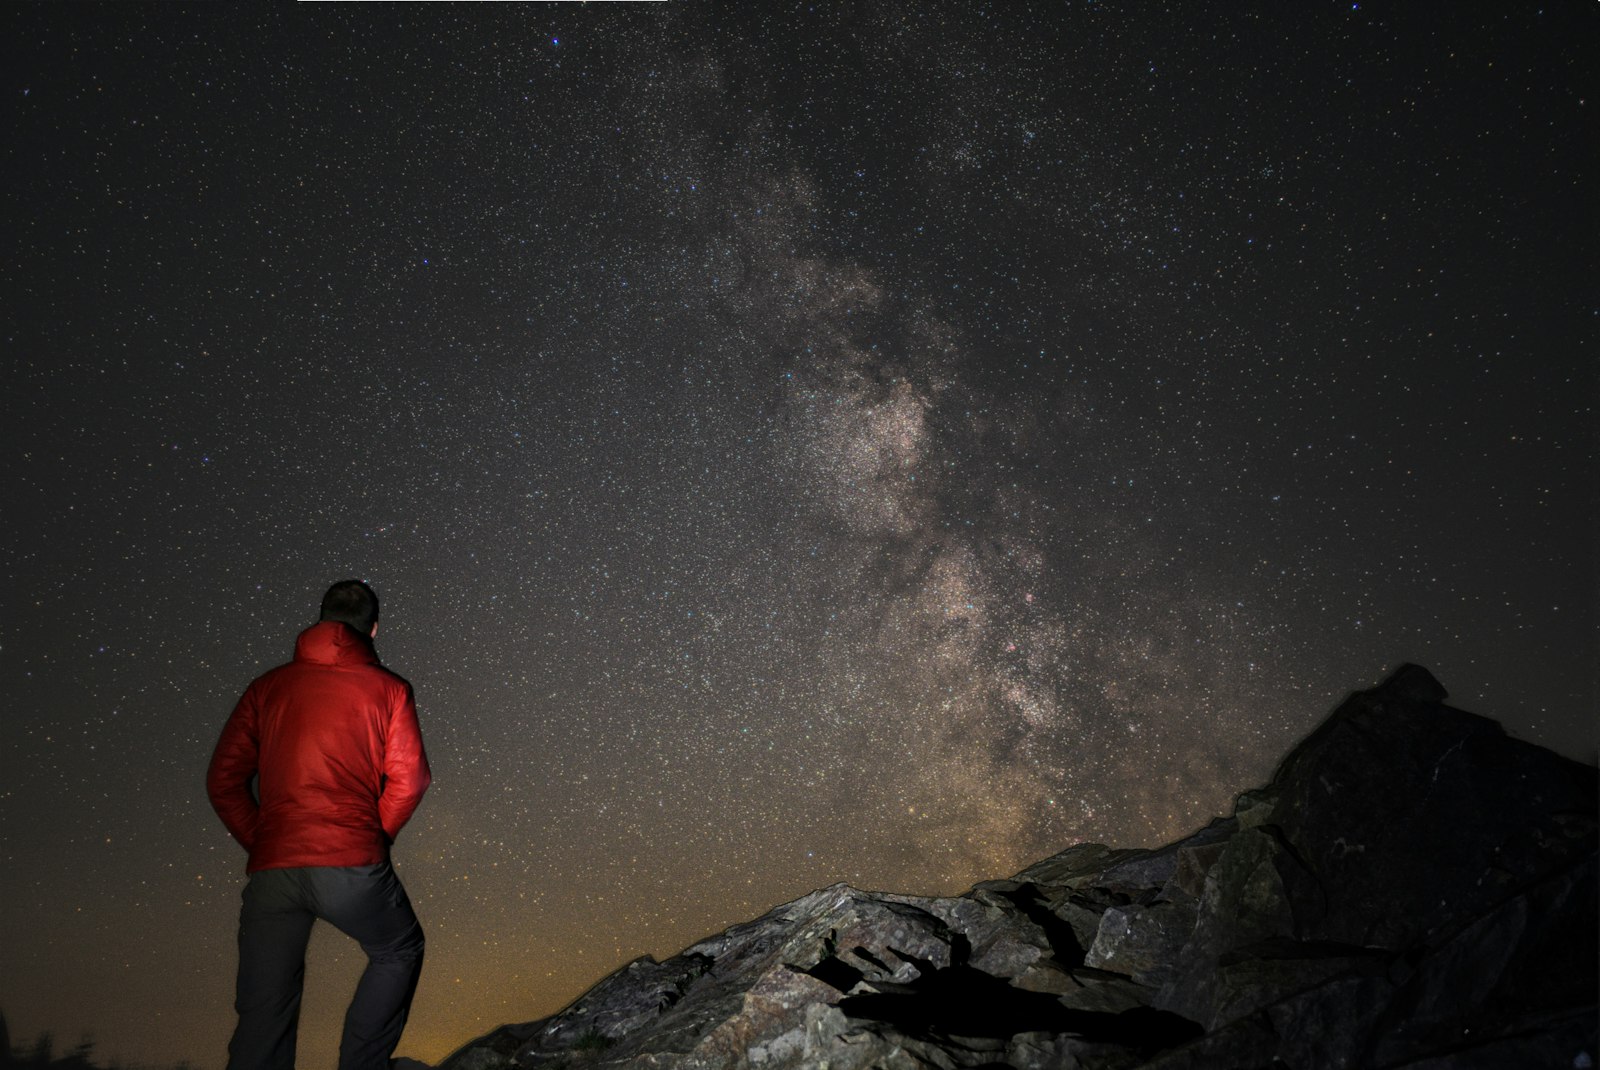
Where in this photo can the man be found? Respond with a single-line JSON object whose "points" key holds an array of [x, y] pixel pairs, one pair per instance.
{"points": [[333, 741]]}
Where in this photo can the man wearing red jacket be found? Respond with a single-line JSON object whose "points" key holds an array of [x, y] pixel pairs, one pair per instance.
{"points": [[332, 741]]}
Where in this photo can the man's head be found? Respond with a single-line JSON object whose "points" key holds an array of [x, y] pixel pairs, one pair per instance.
{"points": [[354, 603]]}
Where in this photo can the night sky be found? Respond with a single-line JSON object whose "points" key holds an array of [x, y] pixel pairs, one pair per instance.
{"points": [[881, 442]]}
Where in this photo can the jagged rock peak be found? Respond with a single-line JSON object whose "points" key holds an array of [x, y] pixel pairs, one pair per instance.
{"points": [[1412, 888], [1415, 683]]}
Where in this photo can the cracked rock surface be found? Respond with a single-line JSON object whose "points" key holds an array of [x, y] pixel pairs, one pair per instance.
{"points": [[1412, 889]]}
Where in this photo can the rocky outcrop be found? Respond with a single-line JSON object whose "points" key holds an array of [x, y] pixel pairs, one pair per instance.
{"points": [[1413, 889]]}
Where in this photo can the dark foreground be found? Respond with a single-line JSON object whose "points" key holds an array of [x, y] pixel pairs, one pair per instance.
{"points": [[1413, 889]]}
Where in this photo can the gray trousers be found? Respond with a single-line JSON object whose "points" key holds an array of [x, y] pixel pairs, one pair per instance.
{"points": [[366, 903]]}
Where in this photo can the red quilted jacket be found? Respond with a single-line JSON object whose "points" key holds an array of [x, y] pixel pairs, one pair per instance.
{"points": [[333, 737]]}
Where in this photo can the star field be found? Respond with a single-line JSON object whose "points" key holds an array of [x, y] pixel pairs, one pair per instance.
{"points": [[872, 442]]}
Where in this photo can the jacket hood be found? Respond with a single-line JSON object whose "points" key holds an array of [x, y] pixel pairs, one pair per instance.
{"points": [[332, 642]]}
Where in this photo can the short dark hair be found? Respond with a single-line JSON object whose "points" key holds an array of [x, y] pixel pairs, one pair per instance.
{"points": [[352, 602]]}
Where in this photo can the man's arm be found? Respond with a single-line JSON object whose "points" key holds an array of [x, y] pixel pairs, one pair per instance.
{"points": [[405, 769], [233, 764]]}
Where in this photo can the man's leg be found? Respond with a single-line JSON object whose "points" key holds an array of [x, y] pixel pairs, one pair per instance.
{"points": [[369, 904], [274, 925]]}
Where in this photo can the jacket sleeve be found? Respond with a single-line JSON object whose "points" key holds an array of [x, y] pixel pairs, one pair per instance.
{"points": [[405, 768], [233, 764]]}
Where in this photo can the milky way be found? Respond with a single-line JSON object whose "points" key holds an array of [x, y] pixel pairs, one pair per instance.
{"points": [[885, 443]]}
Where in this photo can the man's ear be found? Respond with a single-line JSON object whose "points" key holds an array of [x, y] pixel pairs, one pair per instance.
{"points": [[374, 633]]}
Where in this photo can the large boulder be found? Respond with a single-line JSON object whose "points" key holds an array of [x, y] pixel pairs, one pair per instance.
{"points": [[1412, 889]]}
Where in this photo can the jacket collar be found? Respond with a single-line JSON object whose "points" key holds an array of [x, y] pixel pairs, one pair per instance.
{"points": [[332, 642]]}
